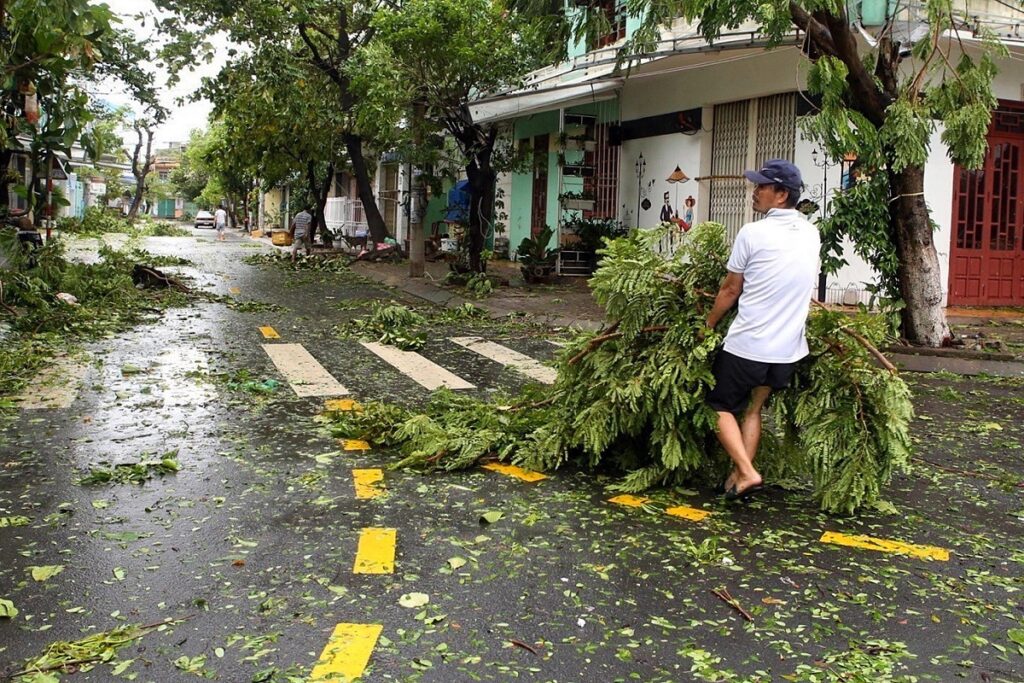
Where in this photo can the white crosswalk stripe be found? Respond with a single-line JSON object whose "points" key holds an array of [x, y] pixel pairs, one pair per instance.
{"points": [[306, 376], [506, 356], [426, 373]]}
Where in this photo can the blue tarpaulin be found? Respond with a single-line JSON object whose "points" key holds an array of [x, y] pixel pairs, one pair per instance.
{"points": [[458, 203]]}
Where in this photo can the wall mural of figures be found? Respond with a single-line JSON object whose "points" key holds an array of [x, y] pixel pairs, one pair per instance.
{"points": [[670, 214]]}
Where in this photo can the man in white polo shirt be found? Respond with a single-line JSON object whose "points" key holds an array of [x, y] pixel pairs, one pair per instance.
{"points": [[772, 272]]}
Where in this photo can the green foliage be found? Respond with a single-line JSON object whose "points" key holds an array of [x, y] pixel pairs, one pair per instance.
{"points": [[132, 473], [632, 399], [392, 324], [107, 297], [82, 654], [592, 232], [534, 251]]}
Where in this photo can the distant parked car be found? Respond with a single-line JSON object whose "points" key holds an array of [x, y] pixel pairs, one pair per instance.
{"points": [[205, 219]]}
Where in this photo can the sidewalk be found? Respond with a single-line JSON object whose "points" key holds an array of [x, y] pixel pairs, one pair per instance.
{"points": [[566, 304]]}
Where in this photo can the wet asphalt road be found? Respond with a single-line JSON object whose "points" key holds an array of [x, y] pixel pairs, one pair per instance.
{"points": [[251, 543]]}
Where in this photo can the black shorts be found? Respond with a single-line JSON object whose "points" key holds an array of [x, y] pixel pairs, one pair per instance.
{"points": [[736, 377]]}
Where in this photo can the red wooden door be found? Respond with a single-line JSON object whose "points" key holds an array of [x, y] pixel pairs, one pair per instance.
{"points": [[987, 250], [539, 207]]}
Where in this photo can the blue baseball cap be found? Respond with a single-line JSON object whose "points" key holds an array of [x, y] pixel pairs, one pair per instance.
{"points": [[777, 171]]}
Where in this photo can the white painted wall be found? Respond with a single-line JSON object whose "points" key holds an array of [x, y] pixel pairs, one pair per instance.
{"points": [[662, 154]]}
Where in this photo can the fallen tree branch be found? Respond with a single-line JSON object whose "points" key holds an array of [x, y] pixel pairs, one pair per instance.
{"points": [[151, 277], [597, 341], [863, 341]]}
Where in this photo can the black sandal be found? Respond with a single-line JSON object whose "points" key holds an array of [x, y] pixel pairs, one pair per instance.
{"points": [[745, 494]]}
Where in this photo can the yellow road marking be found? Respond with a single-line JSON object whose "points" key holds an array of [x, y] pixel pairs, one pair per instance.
{"points": [[376, 553], [234, 290], [346, 654], [513, 471], [366, 483], [629, 501], [355, 445], [692, 514], [342, 405], [928, 552], [269, 333]]}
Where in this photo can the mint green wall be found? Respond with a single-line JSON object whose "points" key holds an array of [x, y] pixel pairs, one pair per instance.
{"points": [[633, 23], [521, 201]]}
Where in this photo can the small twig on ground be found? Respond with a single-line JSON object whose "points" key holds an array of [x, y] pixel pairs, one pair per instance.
{"points": [[723, 595], [525, 646]]}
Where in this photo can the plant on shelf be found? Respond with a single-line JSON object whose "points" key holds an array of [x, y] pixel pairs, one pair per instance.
{"points": [[591, 232], [585, 195], [537, 261]]}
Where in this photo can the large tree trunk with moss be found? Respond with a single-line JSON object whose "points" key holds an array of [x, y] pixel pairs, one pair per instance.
{"points": [[872, 89], [924, 318]]}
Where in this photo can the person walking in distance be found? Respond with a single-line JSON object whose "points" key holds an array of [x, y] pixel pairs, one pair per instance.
{"points": [[773, 269], [300, 232], [220, 220]]}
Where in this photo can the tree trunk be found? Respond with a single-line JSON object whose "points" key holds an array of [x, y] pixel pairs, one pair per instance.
{"points": [[481, 178], [417, 258], [374, 220], [140, 169], [923, 317], [5, 179]]}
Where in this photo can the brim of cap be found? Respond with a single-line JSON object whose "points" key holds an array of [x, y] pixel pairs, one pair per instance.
{"points": [[759, 179]]}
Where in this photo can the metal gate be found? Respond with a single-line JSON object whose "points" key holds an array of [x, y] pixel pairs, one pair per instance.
{"points": [[986, 264], [746, 134]]}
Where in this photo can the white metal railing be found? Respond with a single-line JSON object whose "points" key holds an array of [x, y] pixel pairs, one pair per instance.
{"points": [[669, 242], [346, 217]]}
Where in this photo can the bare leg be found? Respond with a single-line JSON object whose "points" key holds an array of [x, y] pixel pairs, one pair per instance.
{"points": [[750, 429], [731, 438]]}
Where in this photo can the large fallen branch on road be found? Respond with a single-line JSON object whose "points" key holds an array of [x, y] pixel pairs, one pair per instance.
{"points": [[632, 398]]}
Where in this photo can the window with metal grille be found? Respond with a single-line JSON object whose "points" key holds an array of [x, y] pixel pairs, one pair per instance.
{"points": [[746, 134], [728, 204], [604, 185], [615, 12]]}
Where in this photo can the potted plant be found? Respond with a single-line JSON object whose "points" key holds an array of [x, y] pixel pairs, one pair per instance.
{"points": [[536, 260], [591, 232], [577, 201]]}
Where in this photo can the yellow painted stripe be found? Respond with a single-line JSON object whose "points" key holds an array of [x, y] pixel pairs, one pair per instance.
{"points": [[928, 552], [376, 553], [346, 654], [355, 445], [366, 483], [692, 514], [513, 471], [629, 501], [234, 290], [342, 405], [269, 333]]}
